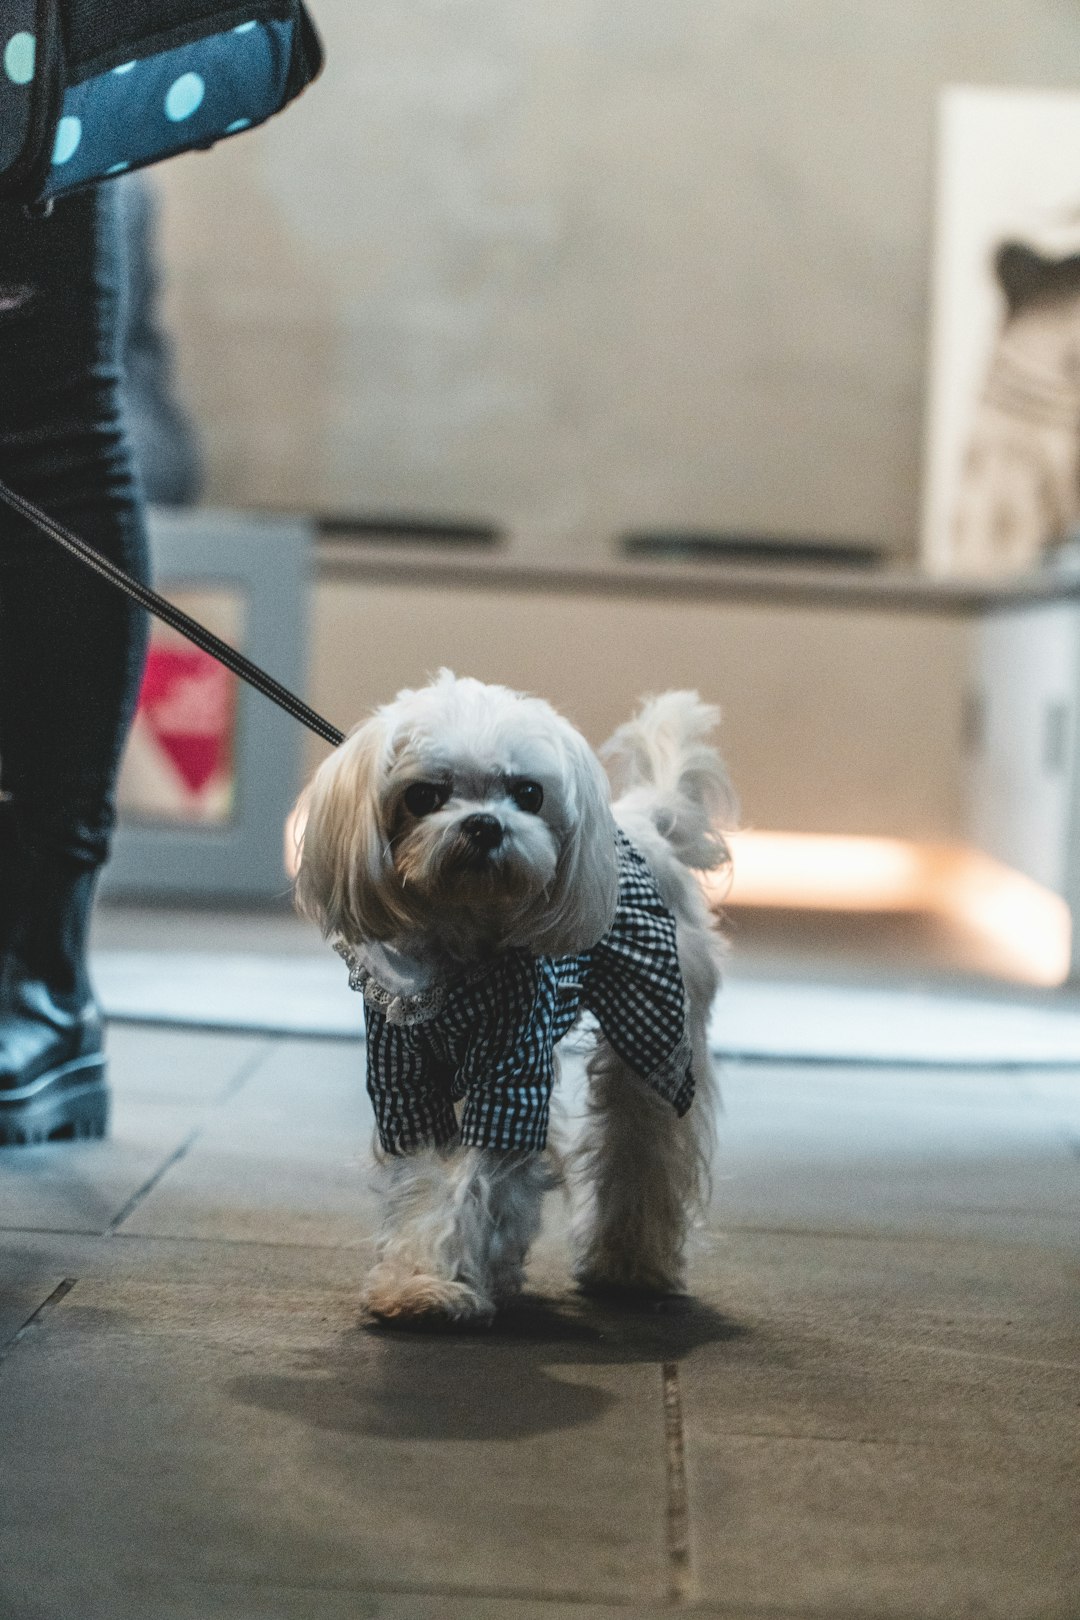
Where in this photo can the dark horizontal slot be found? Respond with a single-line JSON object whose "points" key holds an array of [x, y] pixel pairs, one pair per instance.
{"points": [[439, 531], [673, 545]]}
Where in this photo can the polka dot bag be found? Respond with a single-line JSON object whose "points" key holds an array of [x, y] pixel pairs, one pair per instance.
{"points": [[91, 88]]}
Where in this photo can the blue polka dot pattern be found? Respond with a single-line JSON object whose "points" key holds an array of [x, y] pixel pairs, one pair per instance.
{"points": [[68, 136], [192, 95], [184, 97], [19, 53], [18, 59]]}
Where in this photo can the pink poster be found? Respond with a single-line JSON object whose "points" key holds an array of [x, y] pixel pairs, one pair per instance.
{"points": [[180, 761]]}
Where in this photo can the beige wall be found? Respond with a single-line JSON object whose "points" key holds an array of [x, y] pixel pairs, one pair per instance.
{"points": [[833, 721], [581, 265]]}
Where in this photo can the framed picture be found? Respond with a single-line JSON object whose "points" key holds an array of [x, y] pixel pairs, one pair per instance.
{"points": [[1002, 486], [212, 767]]}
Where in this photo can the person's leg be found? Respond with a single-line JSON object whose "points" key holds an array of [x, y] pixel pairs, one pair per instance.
{"points": [[71, 649]]}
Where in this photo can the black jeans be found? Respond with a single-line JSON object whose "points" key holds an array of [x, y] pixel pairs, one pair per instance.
{"points": [[71, 646]]}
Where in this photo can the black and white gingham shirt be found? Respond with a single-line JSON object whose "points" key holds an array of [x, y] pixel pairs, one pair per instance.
{"points": [[488, 1038]]}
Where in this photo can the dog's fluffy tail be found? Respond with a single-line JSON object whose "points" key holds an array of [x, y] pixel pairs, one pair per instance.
{"points": [[664, 768]]}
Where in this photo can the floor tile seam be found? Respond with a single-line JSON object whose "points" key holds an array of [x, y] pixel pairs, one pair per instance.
{"points": [[143, 1192], [250, 1066], [677, 1514], [843, 1065], [1027, 1212], [843, 1342], [180, 1237], [252, 1031], [885, 1442], [238, 1081], [558, 1598], [62, 1289], [53, 1231], [706, 1608], [236, 1243], [907, 1240], [844, 1346], [988, 1355]]}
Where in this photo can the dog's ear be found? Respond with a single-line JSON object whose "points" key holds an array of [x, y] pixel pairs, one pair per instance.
{"points": [[580, 906], [344, 881]]}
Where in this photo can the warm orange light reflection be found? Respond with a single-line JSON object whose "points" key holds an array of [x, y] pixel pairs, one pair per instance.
{"points": [[1028, 925], [826, 873]]}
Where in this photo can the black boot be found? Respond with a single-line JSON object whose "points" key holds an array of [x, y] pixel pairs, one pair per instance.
{"points": [[52, 1068]]}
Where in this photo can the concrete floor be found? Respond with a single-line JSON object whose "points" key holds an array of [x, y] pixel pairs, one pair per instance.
{"points": [[872, 1408]]}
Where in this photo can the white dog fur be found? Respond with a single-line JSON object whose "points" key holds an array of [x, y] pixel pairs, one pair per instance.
{"points": [[459, 1221]]}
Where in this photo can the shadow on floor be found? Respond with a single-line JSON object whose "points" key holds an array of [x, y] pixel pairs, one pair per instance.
{"points": [[500, 1383]]}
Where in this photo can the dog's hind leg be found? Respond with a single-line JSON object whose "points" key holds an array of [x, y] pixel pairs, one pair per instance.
{"points": [[645, 1173]]}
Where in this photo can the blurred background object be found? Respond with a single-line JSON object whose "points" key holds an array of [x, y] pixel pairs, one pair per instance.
{"points": [[165, 440], [591, 343], [212, 767], [1019, 493], [1002, 487], [589, 268]]}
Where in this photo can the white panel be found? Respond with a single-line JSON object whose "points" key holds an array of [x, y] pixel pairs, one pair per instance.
{"points": [[1022, 764]]}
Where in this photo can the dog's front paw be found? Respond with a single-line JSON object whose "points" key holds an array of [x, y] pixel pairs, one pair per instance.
{"points": [[422, 1301]]}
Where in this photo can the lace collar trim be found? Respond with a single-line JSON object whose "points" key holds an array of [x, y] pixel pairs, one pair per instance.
{"points": [[396, 1006]]}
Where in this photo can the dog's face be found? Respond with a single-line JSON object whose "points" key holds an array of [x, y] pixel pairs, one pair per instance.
{"points": [[463, 818]]}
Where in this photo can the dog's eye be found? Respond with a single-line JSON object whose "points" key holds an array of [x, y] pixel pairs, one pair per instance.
{"points": [[421, 798], [528, 796]]}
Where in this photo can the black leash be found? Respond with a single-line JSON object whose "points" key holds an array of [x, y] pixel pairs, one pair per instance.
{"points": [[170, 615]]}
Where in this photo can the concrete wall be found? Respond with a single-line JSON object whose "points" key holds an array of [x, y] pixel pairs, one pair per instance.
{"points": [[588, 264], [834, 721]]}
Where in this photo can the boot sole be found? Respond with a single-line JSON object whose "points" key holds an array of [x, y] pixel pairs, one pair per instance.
{"points": [[67, 1104]]}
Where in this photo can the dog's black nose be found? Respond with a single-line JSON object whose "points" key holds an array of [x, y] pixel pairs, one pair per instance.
{"points": [[485, 832]]}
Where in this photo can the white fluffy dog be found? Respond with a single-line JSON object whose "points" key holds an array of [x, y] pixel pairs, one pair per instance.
{"points": [[461, 851]]}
